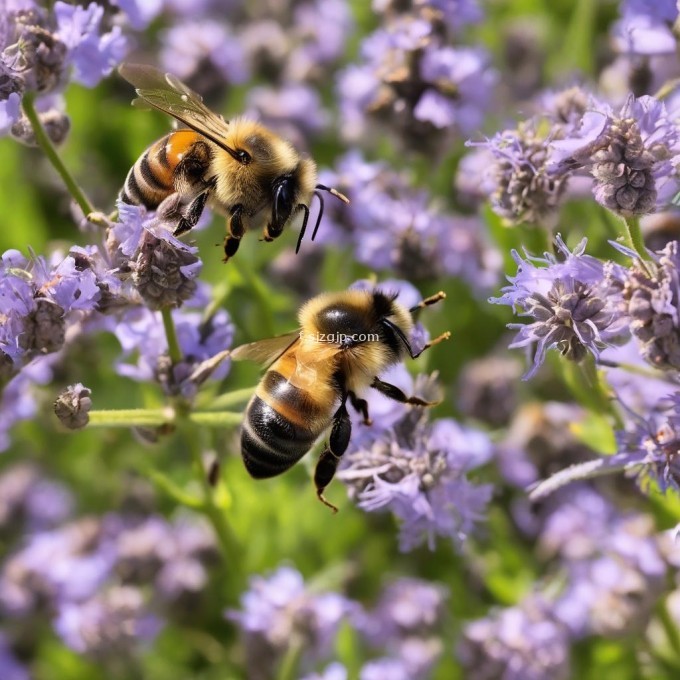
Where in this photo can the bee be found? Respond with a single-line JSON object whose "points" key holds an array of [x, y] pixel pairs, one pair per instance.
{"points": [[240, 168], [345, 342]]}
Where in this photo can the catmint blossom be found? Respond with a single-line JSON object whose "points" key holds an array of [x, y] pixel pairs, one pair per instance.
{"points": [[572, 302], [524, 190], [652, 296], [523, 642], [392, 225], [280, 610], [92, 53], [416, 85], [630, 155], [646, 27], [418, 471]]}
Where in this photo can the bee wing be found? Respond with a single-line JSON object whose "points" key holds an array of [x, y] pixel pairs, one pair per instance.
{"points": [[266, 352], [169, 94]]}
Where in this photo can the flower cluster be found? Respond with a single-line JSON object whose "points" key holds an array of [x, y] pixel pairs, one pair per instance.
{"points": [[91, 576], [411, 80]]}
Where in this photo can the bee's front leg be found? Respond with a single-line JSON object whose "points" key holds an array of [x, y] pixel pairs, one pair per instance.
{"points": [[235, 231]]}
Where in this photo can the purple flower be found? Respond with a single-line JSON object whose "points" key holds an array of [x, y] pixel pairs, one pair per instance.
{"points": [[142, 337], [523, 189], [392, 225], [93, 55], [279, 610], [415, 84], [10, 667], [645, 27], [517, 643], [163, 268], [417, 470], [652, 296], [108, 625], [29, 499], [573, 303], [199, 45], [140, 13], [629, 154], [10, 112]]}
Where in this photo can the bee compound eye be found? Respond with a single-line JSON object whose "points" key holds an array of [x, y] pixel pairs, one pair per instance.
{"points": [[243, 157]]}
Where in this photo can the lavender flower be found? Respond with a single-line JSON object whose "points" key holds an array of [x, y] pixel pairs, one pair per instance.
{"points": [[204, 46], [31, 501], [108, 625], [524, 188], [645, 27], [629, 155], [142, 337], [517, 643], [10, 667], [163, 268], [416, 85], [279, 611], [652, 296], [392, 225], [575, 306], [418, 471], [405, 623]]}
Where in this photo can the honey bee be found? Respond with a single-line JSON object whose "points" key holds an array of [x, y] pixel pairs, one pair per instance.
{"points": [[240, 168], [345, 342]]}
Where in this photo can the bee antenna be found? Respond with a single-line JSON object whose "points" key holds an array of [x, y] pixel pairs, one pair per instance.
{"points": [[318, 219], [334, 192], [303, 227]]}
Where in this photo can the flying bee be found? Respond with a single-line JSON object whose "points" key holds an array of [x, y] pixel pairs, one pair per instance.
{"points": [[240, 168], [345, 342]]}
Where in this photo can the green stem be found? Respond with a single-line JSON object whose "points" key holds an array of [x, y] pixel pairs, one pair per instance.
{"points": [[230, 399], [165, 484], [670, 628], [133, 417], [171, 335], [634, 236], [290, 661], [215, 419], [215, 513], [45, 143]]}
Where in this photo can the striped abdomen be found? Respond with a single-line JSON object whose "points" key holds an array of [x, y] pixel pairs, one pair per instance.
{"points": [[281, 424], [152, 178]]}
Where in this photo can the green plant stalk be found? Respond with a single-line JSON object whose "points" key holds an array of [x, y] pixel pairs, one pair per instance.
{"points": [[171, 334], [229, 399], [133, 417], [45, 143], [291, 661], [215, 418], [634, 237], [670, 628], [229, 544], [167, 486]]}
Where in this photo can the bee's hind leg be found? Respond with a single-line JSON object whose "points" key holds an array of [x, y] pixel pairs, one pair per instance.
{"points": [[192, 215], [330, 456]]}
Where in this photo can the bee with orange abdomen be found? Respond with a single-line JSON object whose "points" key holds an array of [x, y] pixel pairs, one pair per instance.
{"points": [[239, 168], [345, 342]]}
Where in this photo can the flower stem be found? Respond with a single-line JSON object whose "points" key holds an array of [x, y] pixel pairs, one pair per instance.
{"points": [[670, 628], [133, 417], [171, 335], [291, 660], [634, 236], [215, 418], [45, 143]]}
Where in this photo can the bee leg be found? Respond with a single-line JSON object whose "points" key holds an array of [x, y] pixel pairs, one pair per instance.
{"points": [[193, 214], [393, 392], [272, 232], [360, 406], [330, 456], [235, 231]]}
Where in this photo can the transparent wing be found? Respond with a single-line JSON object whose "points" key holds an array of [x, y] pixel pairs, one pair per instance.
{"points": [[267, 351], [169, 94]]}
